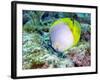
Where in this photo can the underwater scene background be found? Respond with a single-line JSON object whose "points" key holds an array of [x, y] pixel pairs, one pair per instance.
{"points": [[37, 50]]}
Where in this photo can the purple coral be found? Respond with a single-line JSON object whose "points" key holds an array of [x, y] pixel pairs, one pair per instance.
{"points": [[81, 59]]}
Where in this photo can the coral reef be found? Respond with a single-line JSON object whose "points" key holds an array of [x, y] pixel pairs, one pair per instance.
{"points": [[37, 50]]}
